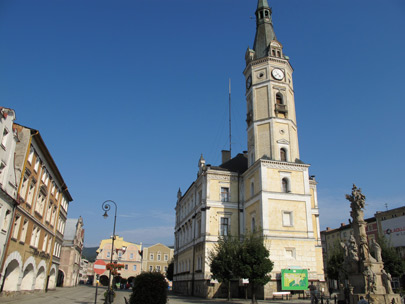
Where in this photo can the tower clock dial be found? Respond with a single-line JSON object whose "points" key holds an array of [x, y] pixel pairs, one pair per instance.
{"points": [[277, 74]]}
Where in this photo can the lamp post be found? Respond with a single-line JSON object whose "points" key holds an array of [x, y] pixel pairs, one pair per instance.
{"points": [[106, 207]]}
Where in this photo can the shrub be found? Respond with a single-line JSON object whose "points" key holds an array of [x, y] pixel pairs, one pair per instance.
{"points": [[149, 288]]}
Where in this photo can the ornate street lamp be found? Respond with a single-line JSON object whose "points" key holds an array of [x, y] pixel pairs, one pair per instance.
{"points": [[106, 207]]}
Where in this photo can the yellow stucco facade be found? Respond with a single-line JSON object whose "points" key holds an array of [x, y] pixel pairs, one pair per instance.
{"points": [[266, 188]]}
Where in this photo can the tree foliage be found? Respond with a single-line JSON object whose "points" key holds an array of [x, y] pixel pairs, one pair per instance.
{"points": [[248, 259], [149, 288], [170, 271], [335, 262], [223, 260], [253, 262], [393, 263]]}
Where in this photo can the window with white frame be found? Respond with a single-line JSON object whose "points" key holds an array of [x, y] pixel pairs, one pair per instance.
{"points": [[45, 243], [6, 220], [24, 231], [158, 257], [224, 194], [108, 254], [24, 186], [150, 268], [287, 218], [16, 227], [5, 138], [31, 191], [134, 267], [126, 266], [151, 256], [158, 268], [166, 257], [36, 164], [224, 229], [31, 155]]}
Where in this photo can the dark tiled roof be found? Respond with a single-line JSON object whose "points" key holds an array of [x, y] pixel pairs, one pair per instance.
{"points": [[238, 164]]}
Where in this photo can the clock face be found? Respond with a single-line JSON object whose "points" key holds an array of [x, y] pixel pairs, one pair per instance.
{"points": [[249, 82], [277, 74]]}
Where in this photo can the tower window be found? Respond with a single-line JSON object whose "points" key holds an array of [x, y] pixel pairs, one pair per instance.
{"points": [[278, 54], [266, 13], [274, 53], [279, 98], [283, 155], [284, 185], [261, 15]]}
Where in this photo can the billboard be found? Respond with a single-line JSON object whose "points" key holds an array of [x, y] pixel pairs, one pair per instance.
{"points": [[294, 279], [394, 230]]}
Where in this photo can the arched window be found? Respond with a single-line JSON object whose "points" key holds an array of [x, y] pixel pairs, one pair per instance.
{"points": [[284, 185], [279, 98], [261, 15], [278, 54], [266, 13], [274, 53], [283, 154]]}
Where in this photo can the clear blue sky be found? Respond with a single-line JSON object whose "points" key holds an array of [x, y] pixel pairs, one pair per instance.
{"points": [[128, 94]]}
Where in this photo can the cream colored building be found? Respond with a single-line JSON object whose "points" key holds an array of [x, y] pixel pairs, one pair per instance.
{"points": [[123, 253], [32, 256], [157, 258], [267, 187], [71, 253]]}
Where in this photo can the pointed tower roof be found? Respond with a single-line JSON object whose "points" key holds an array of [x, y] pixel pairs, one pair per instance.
{"points": [[264, 29]]}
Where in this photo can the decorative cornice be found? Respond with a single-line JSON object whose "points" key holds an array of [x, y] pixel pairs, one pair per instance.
{"points": [[284, 165], [225, 177]]}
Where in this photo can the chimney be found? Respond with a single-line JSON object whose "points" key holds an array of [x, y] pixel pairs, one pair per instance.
{"points": [[226, 155], [342, 224], [327, 228]]}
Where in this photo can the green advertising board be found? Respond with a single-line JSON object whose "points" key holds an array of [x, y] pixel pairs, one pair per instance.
{"points": [[294, 279]]}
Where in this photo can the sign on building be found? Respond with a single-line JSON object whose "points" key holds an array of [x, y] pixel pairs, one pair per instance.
{"points": [[394, 230], [294, 279]]}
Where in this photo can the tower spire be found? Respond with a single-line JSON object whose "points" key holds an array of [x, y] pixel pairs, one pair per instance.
{"points": [[264, 29]]}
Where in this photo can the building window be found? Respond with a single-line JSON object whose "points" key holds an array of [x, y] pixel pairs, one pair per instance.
{"points": [[252, 188], [126, 266], [31, 192], [283, 155], [224, 194], [6, 222], [253, 224], [4, 139], [224, 226], [150, 268], [287, 218], [31, 155], [166, 257], [36, 164], [151, 256], [108, 254], [24, 231], [279, 99], [134, 267], [131, 256], [158, 257], [16, 226], [158, 268], [284, 185]]}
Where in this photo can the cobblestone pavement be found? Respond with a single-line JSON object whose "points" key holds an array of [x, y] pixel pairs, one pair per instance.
{"points": [[86, 295]]}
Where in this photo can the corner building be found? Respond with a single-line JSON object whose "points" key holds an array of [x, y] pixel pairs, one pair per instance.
{"points": [[266, 187]]}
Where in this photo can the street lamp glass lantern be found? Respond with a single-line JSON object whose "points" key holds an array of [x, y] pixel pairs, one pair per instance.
{"points": [[105, 215]]}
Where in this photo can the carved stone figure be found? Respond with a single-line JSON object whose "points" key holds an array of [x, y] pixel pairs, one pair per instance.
{"points": [[358, 202], [352, 250], [376, 248], [371, 279], [386, 280]]}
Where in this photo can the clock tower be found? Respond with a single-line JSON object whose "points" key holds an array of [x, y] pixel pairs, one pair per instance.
{"points": [[271, 121], [280, 197]]}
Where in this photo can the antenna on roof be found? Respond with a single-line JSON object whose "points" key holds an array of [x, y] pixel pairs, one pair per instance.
{"points": [[230, 125]]}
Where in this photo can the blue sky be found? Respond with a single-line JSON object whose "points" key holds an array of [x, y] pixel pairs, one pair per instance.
{"points": [[128, 94]]}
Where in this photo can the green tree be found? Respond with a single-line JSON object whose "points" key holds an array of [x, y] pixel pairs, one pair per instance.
{"points": [[393, 263], [335, 262], [170, 271], [223, 260], [149, 288], [253, 262]]}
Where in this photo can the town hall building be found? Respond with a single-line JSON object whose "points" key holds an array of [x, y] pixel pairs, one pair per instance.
{"points": [[265, 188]]}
